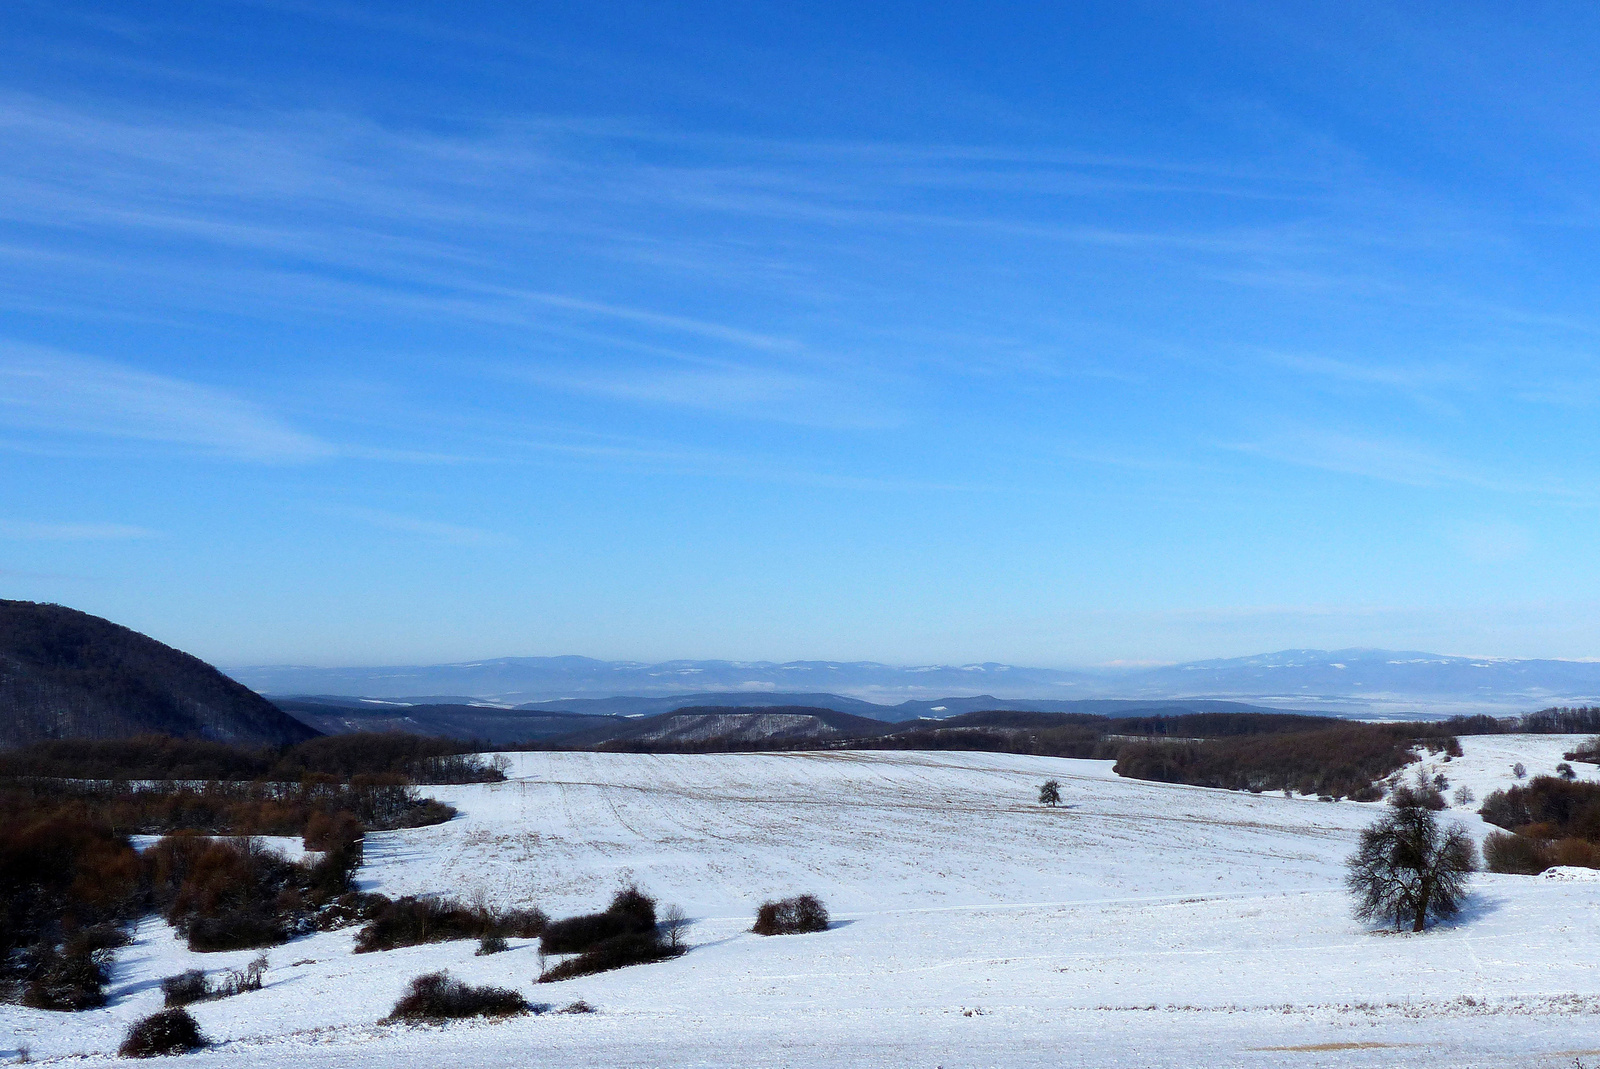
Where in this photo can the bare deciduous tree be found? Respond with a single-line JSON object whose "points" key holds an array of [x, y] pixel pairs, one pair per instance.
{"points": [[1050, 793], [673, 921], [1407, 868]]}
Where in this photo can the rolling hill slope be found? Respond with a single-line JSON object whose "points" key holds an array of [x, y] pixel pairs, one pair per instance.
{"points": [[66, 674]]}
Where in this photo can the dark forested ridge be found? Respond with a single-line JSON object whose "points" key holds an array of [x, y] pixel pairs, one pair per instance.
{"points": [[453, 720], [65, 674]]}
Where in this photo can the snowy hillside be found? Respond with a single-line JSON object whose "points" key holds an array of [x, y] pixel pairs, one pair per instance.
{"points": [[1140, 924]]}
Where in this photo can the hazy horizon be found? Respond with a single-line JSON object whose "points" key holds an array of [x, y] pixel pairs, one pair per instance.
{"points": [[1062, 667]]}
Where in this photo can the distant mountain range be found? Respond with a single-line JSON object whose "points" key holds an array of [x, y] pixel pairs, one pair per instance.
{"points": [[1351, 682], [613, 718]]}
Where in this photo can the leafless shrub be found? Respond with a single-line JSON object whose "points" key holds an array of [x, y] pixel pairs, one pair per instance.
{"points": [[614, 953], [1508, 852], [184, 988], [411, 921], [791, 916], [438, 996], [164, 1032], [632, 912]]}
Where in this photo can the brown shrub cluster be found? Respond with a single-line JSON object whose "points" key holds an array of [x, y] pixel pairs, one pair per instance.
{"points": [[164, 1032], [66, 883], [438, 996], [791, 916], [225, 808], [1336, 762], [632, 912], [411, 921], [194, 985], [625, 934], [1547, 807], [617, 952], [1549, 821], [416, 758]]}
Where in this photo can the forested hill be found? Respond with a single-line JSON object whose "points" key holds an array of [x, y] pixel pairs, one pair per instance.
{"points": [[65, 674]]}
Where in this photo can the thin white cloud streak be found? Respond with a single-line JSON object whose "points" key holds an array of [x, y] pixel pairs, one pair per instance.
{"points": [[729, 389], [62, 394], [430, 530], [656, 319], [30, 531], [275, 182], [1399, 462], [1409, 379]]}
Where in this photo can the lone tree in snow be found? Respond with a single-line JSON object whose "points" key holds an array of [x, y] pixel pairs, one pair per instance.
{"points": [[1050, 793], [673, 922], [1406, 868]]}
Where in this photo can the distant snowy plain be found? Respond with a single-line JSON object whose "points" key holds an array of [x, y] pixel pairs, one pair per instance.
{"points": [[1139, 924]]}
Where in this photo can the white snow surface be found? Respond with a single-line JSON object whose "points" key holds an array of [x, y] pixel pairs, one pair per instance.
{"points": [[1139, 924]]}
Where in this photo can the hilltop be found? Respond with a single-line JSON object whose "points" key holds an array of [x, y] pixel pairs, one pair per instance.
{"points": [[65, 674]]}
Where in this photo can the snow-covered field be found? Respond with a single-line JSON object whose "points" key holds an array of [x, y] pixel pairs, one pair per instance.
{"points": [[1138, 925]]}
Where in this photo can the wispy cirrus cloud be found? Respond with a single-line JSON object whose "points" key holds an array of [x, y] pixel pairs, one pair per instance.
{"points": [[762, 393], [1404, 377], [32, 531], [453, 534], [1394, 460], [61, 394]]}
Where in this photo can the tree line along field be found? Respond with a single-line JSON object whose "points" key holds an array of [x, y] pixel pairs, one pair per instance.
{"points": [[1128, 910]]}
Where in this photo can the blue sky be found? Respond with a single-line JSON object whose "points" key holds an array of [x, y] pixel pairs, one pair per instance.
{"points": [[1053, 334]]}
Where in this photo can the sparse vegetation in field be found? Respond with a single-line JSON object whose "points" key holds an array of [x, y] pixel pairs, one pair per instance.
{"points": [[627, 933], [617, 952], [439, 996], [194, 985], [632, 912], [410, 921], [791, 916], [171, 1031]]}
